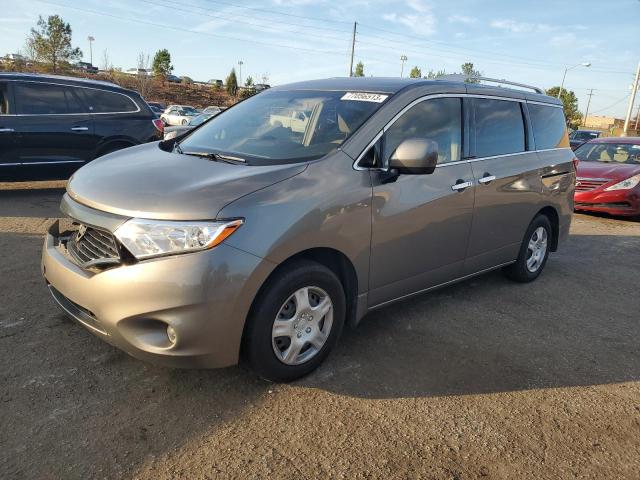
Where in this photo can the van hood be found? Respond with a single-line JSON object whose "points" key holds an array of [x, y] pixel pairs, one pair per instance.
{"points": [[147, 182]]}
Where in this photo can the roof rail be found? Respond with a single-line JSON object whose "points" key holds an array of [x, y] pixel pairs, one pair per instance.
{"points": [[459, 77]]}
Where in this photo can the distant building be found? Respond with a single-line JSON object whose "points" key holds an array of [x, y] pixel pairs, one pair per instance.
{"points": [[602, 122]]}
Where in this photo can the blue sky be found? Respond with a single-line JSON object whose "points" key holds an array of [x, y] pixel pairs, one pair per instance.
{"points": [[530, 42]]}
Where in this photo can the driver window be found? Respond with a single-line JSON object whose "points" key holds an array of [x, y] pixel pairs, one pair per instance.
{"points": [[439, 119]]}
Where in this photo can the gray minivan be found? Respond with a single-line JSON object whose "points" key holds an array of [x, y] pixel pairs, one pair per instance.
{"points": [[261, 233]]}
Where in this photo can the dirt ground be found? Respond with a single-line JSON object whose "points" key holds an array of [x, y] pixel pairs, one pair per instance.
{"points": [[484, 379]]}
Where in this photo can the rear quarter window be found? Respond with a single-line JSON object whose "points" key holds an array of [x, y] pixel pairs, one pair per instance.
{"points": [[498, 127], [103, 101], [549, 126]]}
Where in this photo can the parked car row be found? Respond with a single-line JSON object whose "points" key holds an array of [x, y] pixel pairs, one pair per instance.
{"points": [[54, 125]]}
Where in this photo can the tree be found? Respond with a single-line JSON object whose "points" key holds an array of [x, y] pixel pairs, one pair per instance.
{"points": [[143, 80], [232, 83], [162, 63], [470, 73], [359, 70], [570, 105], [249, 81], [415, 73], [51, 42], [432, 75]]}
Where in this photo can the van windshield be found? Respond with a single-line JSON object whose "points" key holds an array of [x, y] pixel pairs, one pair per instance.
{"points": [[284, 126]]}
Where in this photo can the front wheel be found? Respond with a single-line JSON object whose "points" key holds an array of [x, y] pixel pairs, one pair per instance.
{"points": [[534, 251], [184, 122], [295, 322]]}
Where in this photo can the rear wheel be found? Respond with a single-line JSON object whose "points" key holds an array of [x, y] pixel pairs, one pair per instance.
{"points": [[534, 251], [295, 322], [184, 122]]}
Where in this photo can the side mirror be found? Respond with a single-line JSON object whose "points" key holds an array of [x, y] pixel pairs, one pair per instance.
{"points": [[415, 156]]}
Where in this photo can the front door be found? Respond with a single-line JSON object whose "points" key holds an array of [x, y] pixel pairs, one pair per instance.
{"points": [[55, 126], [421, 223]]}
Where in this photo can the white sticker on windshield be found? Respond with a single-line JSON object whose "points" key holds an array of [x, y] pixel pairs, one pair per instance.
{"points": [[364, 97], [635, 147]]}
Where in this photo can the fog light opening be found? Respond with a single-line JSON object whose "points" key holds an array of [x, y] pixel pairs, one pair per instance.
{"points": [[172, 334]]}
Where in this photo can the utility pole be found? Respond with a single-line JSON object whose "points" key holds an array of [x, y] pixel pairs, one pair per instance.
{"points": [[637, 119], [632, 100], [586, 113], [353, 47], [91, 39], [403, 58], [240, 63]]}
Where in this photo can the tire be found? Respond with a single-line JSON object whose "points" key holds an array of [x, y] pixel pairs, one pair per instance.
{"points": [[184, 122], [307, 335], [534, 251]]}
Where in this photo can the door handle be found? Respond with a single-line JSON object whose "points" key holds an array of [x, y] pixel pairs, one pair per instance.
{"points": [[487, 179], [79, 129], [6, 130], [461, 185]]}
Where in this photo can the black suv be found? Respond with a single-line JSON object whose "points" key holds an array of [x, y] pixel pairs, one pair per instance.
{"points": [[52, 125]]}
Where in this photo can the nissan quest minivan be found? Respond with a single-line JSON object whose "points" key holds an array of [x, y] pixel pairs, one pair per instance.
{"points": [[258, 235]]}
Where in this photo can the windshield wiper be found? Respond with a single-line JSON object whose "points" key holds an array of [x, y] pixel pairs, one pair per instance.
{"points": [[216, 156]]}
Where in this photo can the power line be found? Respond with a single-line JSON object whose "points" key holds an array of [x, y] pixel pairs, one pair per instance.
{"points": [[234, 17], [612, 105], [181, 29], [276, 12], [450, 48]]}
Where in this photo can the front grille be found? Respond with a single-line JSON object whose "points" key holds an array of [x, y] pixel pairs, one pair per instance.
{"points": [[586, 184], [90, 246]]}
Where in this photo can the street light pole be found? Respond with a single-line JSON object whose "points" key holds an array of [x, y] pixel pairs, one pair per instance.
{"points": [[240, 63], [91, 39], [632, 100], [403, 58], [585, 64]]}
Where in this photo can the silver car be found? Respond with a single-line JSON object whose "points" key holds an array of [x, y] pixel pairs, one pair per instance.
{"points": [[254, 239]]}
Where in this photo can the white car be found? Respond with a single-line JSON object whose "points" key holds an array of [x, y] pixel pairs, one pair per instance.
{"points": [[178, 114]]}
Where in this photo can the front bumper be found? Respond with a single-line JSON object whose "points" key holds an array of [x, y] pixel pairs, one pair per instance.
{"points": [[616, 202], [204, 296]]}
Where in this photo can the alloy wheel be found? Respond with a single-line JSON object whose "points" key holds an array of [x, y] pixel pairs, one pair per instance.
{"points": [[536, 249]]}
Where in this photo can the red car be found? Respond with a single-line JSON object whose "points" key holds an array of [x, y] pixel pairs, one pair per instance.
{"points": [[608, 177]]}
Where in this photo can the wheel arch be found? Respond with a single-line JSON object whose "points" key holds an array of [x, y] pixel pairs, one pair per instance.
{"points": [[334, 260]]}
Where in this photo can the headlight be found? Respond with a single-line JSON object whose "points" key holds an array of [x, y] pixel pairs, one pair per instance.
{"points": [[153, 238], [625, 184]]}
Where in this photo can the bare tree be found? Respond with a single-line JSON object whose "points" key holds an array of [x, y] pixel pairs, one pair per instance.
{"points": [[107, 66], [265, 78], [143, 77]]}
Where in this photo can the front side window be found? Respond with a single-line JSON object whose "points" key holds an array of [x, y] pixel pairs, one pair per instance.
{"points": [[280, 126], [103, 101], [439, 120], [609, 152], [46, 99], [549, 126], [499, 127]]}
